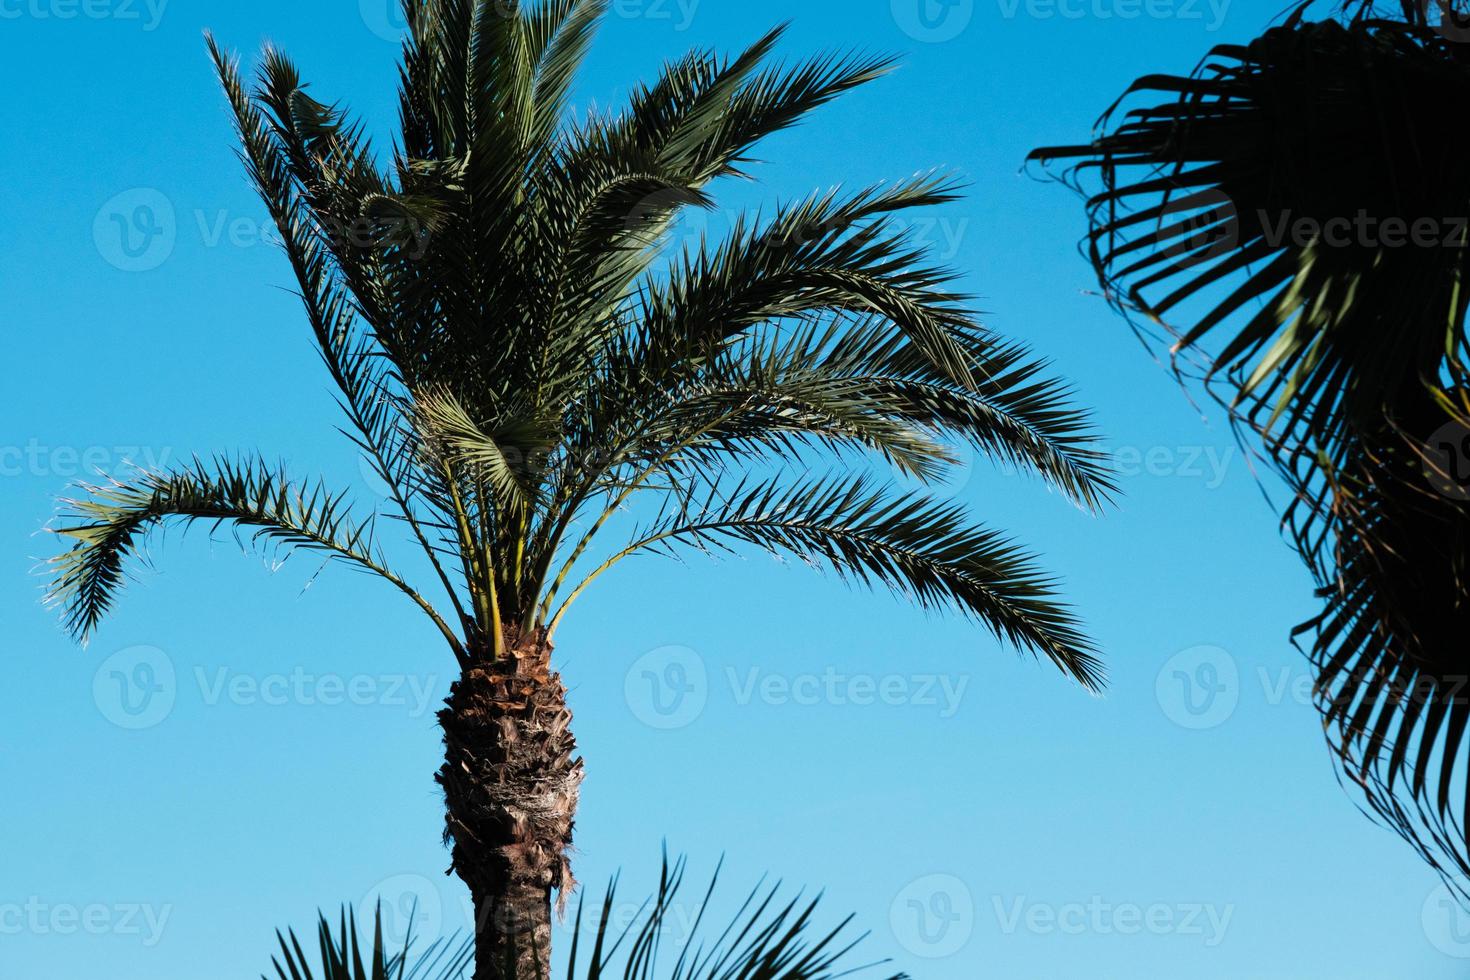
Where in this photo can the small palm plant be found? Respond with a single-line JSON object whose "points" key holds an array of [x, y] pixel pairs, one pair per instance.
{"points": [[768, 938], [519, 356]]}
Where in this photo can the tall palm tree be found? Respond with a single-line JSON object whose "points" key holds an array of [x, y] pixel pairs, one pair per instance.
{"points": [[1291, 219], [519, 356]]}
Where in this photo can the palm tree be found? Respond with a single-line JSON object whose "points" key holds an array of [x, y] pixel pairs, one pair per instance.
{"points": [[519, 356], [1298, 204]]}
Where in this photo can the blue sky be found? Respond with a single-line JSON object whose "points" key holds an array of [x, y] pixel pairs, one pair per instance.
{"points": [[980, 814]]}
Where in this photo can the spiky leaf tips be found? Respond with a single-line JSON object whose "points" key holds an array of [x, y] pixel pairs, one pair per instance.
{"points": [[517, 353], [1292, 218]]}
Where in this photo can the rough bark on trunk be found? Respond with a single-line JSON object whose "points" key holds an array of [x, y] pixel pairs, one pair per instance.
{"points": [[510, 784]]}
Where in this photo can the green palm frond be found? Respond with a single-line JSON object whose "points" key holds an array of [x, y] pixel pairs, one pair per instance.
{"points": [[1290, 217], [109, 525], [768, 937], [340, 955], [926, 550]]}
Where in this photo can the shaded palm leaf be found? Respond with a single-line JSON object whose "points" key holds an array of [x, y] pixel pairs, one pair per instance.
{"points": [[1291, 217]]}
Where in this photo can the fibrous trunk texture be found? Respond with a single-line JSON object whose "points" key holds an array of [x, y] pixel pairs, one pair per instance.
{"points": [[510, 784]]}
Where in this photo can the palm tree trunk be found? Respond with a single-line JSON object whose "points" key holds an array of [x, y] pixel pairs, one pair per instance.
{"points": [[510, 790]]}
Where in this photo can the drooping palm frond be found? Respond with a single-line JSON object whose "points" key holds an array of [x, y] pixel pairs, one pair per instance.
{"points": [[916, 547], [110, 523], [768, 937], [1292, 216], [517, 353]]}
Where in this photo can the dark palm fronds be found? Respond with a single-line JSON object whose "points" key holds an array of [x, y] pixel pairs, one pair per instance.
{"points": [[768, 937], [1292, 217]]}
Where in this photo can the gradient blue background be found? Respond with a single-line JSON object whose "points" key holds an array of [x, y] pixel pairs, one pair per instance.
{"points": [[232, 817]]}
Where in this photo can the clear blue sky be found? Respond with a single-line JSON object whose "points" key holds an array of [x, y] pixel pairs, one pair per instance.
{"points": [[981, 815]]}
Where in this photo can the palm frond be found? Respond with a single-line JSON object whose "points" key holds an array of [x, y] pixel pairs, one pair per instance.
{"points": [[768, 937], [1293, 204], [924, 550], [108, 525]]}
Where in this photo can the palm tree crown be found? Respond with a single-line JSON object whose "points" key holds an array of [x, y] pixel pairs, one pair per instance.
{"points": [[518, 355]]}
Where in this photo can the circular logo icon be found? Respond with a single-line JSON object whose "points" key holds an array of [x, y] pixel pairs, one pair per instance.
{"points": [[667, 688], [372, 478], [1446, 923], [410, 905], [933, 917], [1447, 461], [136, 230], [933, 21], [135, 688], [1451, 23], [384, 18], [1200, 225], [1199, 688]]}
